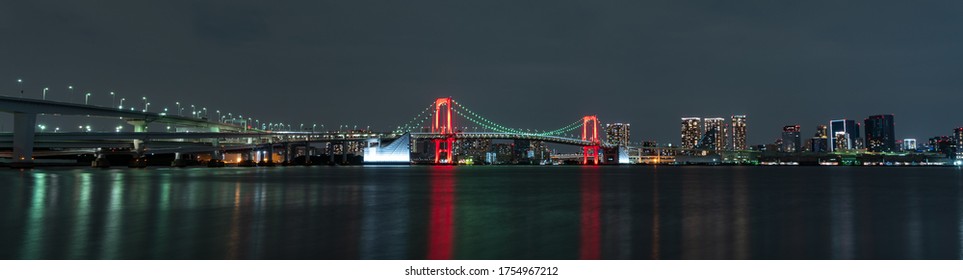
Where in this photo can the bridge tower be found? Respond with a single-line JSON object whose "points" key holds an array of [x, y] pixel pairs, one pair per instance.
{"points": [[590, 134], [442, 125]]}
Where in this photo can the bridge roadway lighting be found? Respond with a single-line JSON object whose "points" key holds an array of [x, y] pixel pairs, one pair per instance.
{"points": [[71, 89], [193, 111], [20, 83], [312, 127], [86, 98], [145, 107], [219, 115], [42, 127], [45, 93], [57, 129], [179, 112], [113, 98], [145, 103], [301, 128], [121, 104]]}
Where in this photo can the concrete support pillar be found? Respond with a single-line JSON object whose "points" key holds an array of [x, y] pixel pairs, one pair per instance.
{"points": [[331, 153], [179, 160], [101, 160], [23, 134]]}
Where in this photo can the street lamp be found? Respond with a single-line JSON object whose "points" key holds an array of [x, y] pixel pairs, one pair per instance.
{"points": [[121, 103], [193, 112], [86, 98], [313, 126], [301, 128], [145, 103], [57, 129], [179, 111], [219, 115], [145, 107], [20, 83], [71, 89], [45, 93], [112, 99]]}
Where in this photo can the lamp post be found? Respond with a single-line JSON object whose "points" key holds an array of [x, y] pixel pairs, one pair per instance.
{"points": [[20, 83], [145, 107], [86, 98], [313, 126], [45, 93], [121, 103], [71, 89], [179, 111], [193, 111], [145, 103], [113, 99], [219, 116]]}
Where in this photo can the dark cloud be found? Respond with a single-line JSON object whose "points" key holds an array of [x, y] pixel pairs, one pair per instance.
{"points": [[537, 64]]}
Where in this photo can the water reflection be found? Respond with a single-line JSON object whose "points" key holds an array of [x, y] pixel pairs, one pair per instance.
{"points": [[514, 212], [590, 225], [441, 220]]}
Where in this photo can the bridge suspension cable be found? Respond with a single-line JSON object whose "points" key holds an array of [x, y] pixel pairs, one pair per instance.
{"points": [[417, 121], [482, 121]]}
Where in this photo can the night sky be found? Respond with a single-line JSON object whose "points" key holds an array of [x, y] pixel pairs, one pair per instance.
{"points": [[528, 64]]}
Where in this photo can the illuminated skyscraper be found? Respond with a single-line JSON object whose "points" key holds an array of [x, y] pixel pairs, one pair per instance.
{"points": [[715, 134], [820, 142], [790, 139], [617, 133], [880, 134], [847, 127], [958, 141], [840, 142], [739, 132], [691, 131]]}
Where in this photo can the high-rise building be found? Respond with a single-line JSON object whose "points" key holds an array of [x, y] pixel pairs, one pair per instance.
{"points": [[691, 131], [821, 131], [909, 144], [714, 133], [847, 127], [820, 141], [739, 132], [880, 134], [840, 142], [958, 141], [790, 139], [617, 133]]}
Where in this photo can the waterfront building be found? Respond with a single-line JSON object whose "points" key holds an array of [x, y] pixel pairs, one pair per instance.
{"points": [[714, 134], [880, 134], [738, 132], [909, 144], [818, 144], [958, 142], [850, 131], [790, 139], [841, 142], [691, 131], [617, 133]]}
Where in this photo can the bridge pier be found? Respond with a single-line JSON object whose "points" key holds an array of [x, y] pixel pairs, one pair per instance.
{"points": [[101, 161], [138, 161], [217, 156], [23, 135], [179, 161]]}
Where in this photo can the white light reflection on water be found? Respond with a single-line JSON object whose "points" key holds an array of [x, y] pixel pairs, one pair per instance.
{"points": [[33, 235], [111, 242]]}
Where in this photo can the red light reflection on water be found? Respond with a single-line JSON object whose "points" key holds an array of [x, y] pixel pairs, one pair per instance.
{"points": [[589, 248], [441, 222]]}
